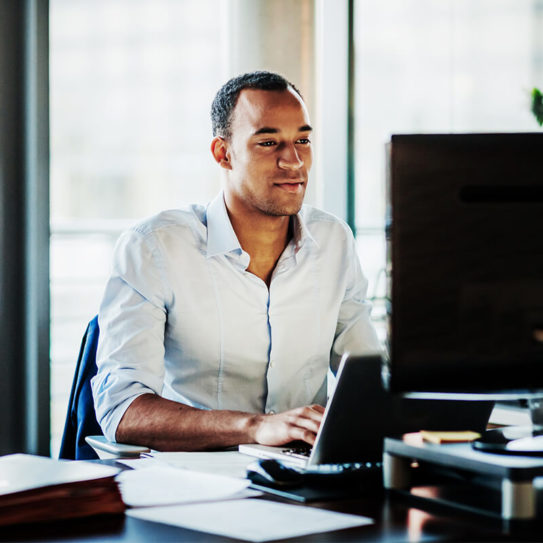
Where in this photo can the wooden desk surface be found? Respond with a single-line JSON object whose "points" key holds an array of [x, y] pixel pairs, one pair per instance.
{"points": [[396, 519]]}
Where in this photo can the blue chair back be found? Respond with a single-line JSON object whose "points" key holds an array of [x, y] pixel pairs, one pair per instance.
{"points": [[81, 417]]}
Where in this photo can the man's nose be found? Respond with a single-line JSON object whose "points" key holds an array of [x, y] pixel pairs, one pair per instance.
{"points": [[289, 158]]}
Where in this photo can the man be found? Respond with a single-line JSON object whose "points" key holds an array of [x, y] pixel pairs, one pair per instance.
{"points": [[219, 323]]}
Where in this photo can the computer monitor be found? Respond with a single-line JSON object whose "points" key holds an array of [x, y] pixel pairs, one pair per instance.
{"points": [[465, 259]]}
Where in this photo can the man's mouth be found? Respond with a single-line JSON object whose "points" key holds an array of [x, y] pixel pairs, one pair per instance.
{"points": [[293, 187]]}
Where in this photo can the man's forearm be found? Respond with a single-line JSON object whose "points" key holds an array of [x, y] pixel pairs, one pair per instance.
{"points": [[165, 425]]}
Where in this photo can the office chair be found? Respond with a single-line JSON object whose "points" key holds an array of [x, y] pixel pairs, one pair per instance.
{"points": [[81, 418], [83, 438]]}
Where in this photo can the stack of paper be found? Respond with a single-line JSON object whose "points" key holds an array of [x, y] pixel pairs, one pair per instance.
{"points": [[35, 488]]}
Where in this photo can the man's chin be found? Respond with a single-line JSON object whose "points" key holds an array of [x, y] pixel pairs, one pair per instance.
{"points": [[278, 204], [278, 209], [283, 212]]}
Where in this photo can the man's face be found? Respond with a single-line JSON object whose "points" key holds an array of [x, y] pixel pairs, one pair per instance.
{"points": [[269, 153]]}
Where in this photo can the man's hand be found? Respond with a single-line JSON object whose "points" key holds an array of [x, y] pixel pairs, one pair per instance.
{"points": [[300, 424]]}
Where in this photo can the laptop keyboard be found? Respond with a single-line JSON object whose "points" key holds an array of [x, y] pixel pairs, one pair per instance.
{"points": [[331, 469], [298, 452]]}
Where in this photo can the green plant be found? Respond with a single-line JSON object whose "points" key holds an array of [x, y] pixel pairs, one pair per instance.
{"points": [[537, 105]]}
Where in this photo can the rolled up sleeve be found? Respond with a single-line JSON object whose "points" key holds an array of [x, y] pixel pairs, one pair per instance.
{"points": [[132, 319]]}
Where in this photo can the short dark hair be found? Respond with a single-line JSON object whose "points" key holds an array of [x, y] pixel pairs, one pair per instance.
{"points": [[226, 98]]}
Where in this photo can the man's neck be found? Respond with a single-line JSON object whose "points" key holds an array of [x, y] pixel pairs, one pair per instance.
{"points": [[264, 238]]}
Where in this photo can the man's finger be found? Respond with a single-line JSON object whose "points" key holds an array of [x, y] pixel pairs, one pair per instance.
{"points": [[306, 423], [299, 434], [312, 411]]}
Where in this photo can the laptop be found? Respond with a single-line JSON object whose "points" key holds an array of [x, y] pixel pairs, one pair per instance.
{"points": [[360, 413]]}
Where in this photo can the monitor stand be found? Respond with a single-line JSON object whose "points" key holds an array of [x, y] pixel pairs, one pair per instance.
{"points": [[524, 440], [497, 485]]}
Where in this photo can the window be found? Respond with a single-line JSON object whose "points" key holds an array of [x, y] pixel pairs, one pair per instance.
{"points": [[131, 86]]}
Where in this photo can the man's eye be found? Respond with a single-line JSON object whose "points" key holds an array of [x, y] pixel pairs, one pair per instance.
{"points": [[304, 141], [266, 143]]}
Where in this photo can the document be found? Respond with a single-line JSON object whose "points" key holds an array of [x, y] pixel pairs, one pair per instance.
{"points": [[230, 463], [164, 485], [250, 519]]}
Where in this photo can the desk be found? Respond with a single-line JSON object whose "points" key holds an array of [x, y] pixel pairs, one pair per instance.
{"points": [[396, 519]]}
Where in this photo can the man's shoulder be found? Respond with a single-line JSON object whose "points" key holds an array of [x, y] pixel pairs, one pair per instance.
{"points": [[319, 221], [190, 218], [315, 214]]}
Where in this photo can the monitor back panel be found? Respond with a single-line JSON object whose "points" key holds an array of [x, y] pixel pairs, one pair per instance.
{"points": [[465, 256]]}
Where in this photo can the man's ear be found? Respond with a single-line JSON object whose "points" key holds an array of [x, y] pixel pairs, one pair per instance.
{"points": [[219, 150]]}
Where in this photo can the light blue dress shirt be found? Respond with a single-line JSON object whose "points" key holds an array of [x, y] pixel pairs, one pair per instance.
{"points": [[183, 318]]}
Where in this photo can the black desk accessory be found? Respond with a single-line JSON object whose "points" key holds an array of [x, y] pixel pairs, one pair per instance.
{"points": [[323, 482], [273, 473], [520, 440]]}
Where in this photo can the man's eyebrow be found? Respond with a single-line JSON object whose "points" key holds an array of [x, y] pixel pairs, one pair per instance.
{"points": [[270, 130], [266, 130]]}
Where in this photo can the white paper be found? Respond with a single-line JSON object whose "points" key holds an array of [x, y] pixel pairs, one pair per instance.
{"points": [[20, 472], [161, 485], [230, 463], [251, 520], [139, 463]]}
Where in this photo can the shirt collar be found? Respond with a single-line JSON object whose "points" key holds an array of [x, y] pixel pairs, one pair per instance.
{"points": [[302, 234], [221, 238]]}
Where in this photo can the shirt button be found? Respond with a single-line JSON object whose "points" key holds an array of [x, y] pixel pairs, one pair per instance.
{"points": [[271, 412], [271, 364]]}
